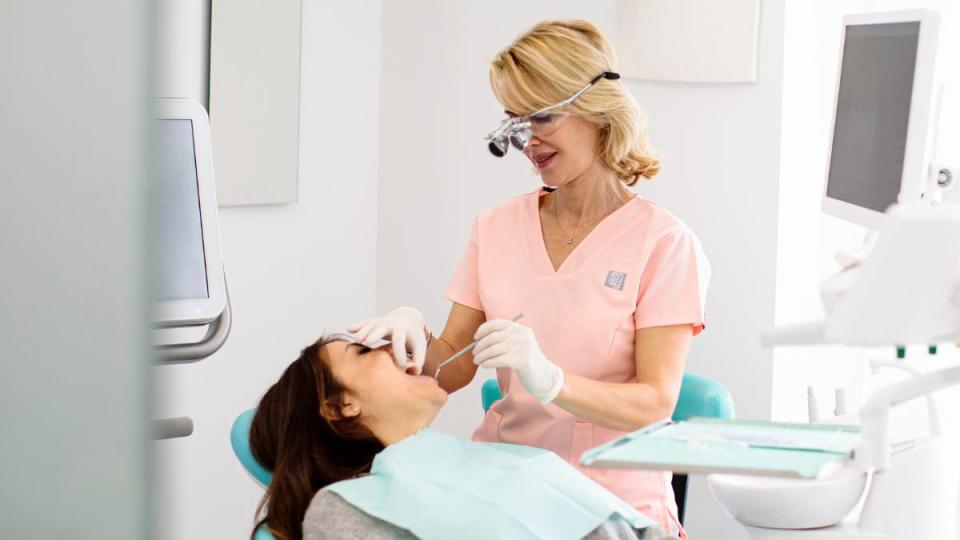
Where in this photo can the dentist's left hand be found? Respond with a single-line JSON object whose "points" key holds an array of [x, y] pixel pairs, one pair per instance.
{"points": [[404, 327], [504, 343]]}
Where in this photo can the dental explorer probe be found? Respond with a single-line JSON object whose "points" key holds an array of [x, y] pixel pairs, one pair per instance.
{"points": [[461, 352]]}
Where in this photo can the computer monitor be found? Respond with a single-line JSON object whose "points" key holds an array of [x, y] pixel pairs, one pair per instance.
{"points": [[879, 152], [189, 286]]}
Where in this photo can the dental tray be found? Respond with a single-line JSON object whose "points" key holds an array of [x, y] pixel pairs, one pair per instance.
{"points": [[710, 445]]}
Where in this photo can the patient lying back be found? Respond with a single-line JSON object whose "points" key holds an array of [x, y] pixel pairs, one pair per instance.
{"points": [[343, 432]]}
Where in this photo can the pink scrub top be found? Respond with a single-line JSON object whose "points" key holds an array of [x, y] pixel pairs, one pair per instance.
{"points": [[640, 267]]}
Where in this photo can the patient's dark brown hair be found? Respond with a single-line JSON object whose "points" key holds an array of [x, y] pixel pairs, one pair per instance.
{"points": [[299, 435]]}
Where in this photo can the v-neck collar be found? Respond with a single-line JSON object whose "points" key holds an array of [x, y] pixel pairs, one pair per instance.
{"points": [[540, 258]]}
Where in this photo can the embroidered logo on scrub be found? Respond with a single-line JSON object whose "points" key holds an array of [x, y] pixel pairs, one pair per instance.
{"points": [[615, 280]]}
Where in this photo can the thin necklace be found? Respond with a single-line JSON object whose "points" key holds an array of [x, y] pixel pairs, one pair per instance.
{"points": [[570, 238]]}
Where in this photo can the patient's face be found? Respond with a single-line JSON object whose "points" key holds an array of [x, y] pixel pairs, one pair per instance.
{"points": [[382, 390]]}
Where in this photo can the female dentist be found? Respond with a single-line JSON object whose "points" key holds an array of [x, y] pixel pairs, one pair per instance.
{"points": [[611, 285]]}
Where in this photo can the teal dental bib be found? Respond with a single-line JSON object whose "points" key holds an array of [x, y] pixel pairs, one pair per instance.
{"points": [[440, 486]]}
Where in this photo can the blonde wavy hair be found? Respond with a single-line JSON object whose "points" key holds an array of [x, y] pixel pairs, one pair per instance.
{"points": [[553, 60]]}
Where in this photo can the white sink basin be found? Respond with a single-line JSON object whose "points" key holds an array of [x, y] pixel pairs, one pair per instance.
{"points": [[788, 503]]}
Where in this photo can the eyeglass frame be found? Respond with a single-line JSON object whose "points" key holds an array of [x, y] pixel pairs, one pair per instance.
{"points": [[518, 129]]}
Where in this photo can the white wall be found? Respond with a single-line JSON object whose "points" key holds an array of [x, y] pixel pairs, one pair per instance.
{"points": [[290, 269], [721, 148]]}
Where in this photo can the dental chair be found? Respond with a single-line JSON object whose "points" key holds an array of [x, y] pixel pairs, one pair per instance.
{"points": [[699, 396]]}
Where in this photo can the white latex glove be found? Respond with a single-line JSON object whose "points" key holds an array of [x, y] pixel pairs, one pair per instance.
{"points": [[405, 329], [504, 343]]}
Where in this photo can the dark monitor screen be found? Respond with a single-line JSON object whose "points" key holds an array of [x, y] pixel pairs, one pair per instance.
{"points": [[180, 265], [873, 112]]}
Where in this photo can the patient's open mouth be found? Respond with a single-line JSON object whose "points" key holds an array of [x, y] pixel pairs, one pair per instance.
{"points": [[411, 370]]}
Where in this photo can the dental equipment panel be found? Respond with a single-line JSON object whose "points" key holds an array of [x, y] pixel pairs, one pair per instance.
{"points": [[189, 287], [879, 153]]}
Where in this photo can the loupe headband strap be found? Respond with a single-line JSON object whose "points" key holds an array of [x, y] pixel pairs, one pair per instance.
{"points": [[608, 75]]}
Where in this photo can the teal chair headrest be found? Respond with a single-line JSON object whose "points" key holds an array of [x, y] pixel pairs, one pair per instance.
{"points": [[240, 441], [489, 392], [703, 397]]}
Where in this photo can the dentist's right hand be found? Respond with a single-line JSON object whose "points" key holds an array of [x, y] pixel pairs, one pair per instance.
{"points": [[405, 328]]}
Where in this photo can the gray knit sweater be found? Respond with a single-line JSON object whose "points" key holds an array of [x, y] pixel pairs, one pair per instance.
{"points": [[330, 517]]}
